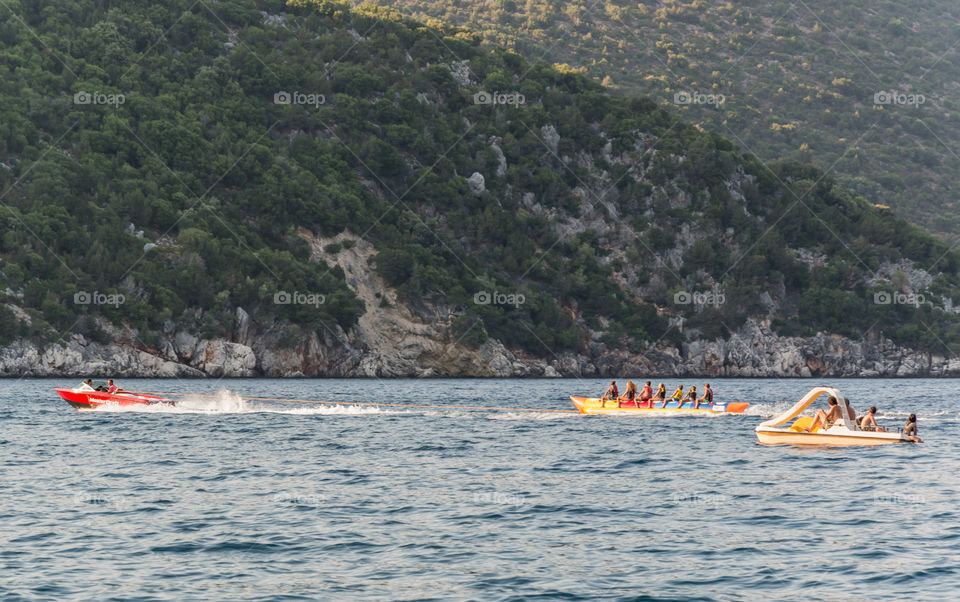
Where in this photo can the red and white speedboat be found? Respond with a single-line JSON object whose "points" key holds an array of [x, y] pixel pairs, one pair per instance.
{"points": [[86, 397]]}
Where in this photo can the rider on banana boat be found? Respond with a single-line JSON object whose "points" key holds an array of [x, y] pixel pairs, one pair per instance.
{"points": [[677, 396], [690, 396], [707, 396], [661, 394], [629, 395], [611, 393], [646, 394]]}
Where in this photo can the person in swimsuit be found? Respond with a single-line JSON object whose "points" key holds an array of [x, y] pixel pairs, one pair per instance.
{"points": [[629, 395], [661, 394], [690, 396], [826, 419], [910, 430], [869, 422], [611, 393], [707, 396], [646, 394]]}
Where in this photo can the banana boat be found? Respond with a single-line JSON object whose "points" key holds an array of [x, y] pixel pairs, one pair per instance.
{"points": [[595, 405]]}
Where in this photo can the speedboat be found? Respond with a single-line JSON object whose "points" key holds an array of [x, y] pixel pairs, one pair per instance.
{"points": [[86, 397], [595, 405], [842, 432]]}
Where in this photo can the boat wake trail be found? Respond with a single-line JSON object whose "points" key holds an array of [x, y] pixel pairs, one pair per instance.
{"points": [[227, 402], [767, 410]]}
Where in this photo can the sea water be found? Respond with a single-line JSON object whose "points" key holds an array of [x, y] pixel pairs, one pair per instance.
{"points": [[226, 498]]}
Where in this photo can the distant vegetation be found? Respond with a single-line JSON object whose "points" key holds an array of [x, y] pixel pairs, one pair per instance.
{"points": [[798, 79], [238, 128]]}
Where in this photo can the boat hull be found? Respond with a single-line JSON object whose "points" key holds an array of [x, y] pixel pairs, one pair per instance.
{"points": [[849, 438], [593, 405], [83, 400]]}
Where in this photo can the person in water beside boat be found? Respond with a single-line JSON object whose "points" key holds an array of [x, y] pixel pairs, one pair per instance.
{"points": [[910, 430]]}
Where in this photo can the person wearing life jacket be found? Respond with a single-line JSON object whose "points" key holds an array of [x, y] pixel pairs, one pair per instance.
{"points": [[611, 393], [677, 396], [661, 394], [707, 396], [646, 394], [690, 396], [629, 395]]}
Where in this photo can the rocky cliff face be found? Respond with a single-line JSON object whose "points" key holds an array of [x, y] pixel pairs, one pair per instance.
{"points": [[394, 339]]}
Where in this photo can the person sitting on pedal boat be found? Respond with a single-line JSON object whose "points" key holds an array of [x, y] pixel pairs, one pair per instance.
{"points": [[826, 419], [869, 422], [610, 393], [629, 395], [707, 396]]}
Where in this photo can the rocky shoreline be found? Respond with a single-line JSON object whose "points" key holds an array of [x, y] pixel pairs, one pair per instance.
{"points": [[393, 339], [754, 351]]}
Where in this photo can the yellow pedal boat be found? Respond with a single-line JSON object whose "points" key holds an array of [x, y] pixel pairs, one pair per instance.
{"points": [[844, 432], [595, 405]]}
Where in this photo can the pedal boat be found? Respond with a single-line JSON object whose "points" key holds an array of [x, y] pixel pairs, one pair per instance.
{"points": [[85, 397], [844, 432], [594, 405]]}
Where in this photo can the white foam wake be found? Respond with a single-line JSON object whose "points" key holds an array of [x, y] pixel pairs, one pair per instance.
{"points": [[227, 402]]}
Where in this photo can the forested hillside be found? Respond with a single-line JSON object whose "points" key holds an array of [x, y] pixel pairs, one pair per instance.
{"points": [[177, 159], [866, 90]]}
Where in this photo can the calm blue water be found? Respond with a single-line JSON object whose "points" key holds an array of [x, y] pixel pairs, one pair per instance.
{"points": [[272, 501]]}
